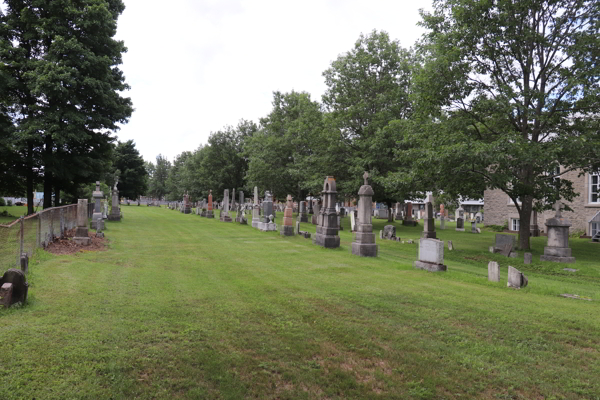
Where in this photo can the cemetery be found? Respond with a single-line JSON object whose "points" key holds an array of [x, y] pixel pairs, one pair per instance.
{"points": [[417, 217]]}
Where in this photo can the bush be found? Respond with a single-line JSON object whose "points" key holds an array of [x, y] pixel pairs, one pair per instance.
{"points": [[2, 202], [496, 228], [9, 203]]}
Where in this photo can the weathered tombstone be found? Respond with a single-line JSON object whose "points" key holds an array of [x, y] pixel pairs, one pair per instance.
{"points": [[187, 207], [287, 229], [364, 239], [97, 195], [81, 233], [209, 207], [450, 245], [317, 212], [99, 228], [115, 211], [493, 271], [25, 262], [408, 220], [267, 223], [474, 228], [558, 249], [224, 215], [528, 258], [398, 211], [302, 215], [516, 279], [389, 232], [353, 219], [442, 222], [327, 227], [241, 213], [534, 229], [233, 206], [17, 286], [339, 221], [502, 240], [6, 295], [429, 222], [442, 210], [460, 219], [310, 205], [431, 255], [255, 209], [105, 209]]}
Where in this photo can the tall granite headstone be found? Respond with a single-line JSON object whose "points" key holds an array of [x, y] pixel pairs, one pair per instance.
{"points": [[97, 195], [209, 207], [460, 219], [327, 227], [302, 215], [81, 233], [408, 219], [364, 238], [187, 206], [429, 222], [224, 215], [115, 211], [255, 209]]}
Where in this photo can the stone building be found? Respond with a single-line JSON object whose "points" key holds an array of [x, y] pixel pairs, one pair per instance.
{"points": [[499, 208]]}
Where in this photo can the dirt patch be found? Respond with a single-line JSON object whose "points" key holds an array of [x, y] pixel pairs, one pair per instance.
{"points": [[66, 245]]}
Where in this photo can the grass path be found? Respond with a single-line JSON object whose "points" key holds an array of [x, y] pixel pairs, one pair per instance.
{"points": [[183, 307]]}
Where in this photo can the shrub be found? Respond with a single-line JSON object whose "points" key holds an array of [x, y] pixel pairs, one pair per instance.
{"points": [[496, 228], [9, 203], [2, 202]]}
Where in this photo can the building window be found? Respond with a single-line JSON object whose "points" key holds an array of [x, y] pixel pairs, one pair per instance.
{"points": [[515, 225], [595, 188]]}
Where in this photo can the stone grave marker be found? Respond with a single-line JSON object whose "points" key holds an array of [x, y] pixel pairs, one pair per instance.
{"points": [[327, 226], [97, 195], [81, 233], [450, 245], [493, 271], [224, 215], [528, 258], [364, 239], [15, 286], [558, 249], [287, 229], [516, 279], [209, 207], [460, 219], [431, 255], [429, 222]]}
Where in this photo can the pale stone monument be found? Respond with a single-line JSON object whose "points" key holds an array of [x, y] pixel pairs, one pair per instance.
{"points": [[187, 207], [353, 220], [474, 228], [431, 255], [287, 229], [97, 195], [527, 258], [317, 212], [558, 249], [81, 233], [224, 215], [268, 217], [460, 219], [209, 207], [408, 219], [255, 209], [429, 222], [493, 271], [115, 211], [327, 226], [364, 238], [516, 279]]}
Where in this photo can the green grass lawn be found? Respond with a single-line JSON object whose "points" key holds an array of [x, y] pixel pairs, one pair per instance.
{"points": [[9, 213], [184, 307]]}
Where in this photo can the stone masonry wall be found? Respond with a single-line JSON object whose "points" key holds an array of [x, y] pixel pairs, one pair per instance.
{"points": [[499, 208]]}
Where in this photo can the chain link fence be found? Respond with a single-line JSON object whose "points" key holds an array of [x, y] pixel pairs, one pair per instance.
{"points": [[24, 235]]}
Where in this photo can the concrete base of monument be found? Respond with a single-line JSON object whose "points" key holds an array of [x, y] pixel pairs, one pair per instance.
{"points": [[409, 223], [364, 249], [225, 218], [255, 222], [329, 242], [82, 241], [267, 226], [210, 214], [114, 217], [187, 211], [568, 260], [303, 218], [431, 267], [460, 229], [287, 230], [428, 235]]}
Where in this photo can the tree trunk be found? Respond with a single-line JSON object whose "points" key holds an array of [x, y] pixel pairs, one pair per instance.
{"points": [[525, 221], [56, 196], [390, 215], [29, 167], [48, 172]]}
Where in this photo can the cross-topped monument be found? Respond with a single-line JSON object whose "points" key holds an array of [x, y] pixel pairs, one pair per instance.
{"points": [[366, 177]]}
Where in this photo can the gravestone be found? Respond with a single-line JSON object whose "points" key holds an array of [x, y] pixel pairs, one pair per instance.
{"points": [[558, 249], [389, 232], [327, 225], [474, 228], [24, 262], [442, 211], [268, 216], [450, 245], [232, 206], [502, 240], [115, 211], [429, 222], [305, 234], [241, 208], [408, 220], [224, 215], [99, 228], [287, 229], [97, 195], [398, 211], [310, 205], [460, 219], [255, 209], [353, 219], [187, 207], [339, 221], [442, 222], [431, 255], [81, 233], [317, 211], [516, 279], [528, 258], [6, 295], [534, 229], [209, 207], [302, 215], [364, 239], [493, 271], [105, 209], [14, 281]]}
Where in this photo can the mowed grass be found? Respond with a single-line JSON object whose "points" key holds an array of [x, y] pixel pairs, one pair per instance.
{"points": [[184, 307]]}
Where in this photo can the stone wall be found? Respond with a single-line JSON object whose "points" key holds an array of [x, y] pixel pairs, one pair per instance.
{"points": [[499, 208]]}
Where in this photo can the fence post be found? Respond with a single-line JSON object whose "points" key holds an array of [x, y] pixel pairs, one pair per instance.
{"points": [[39, 232], [21, 239]]}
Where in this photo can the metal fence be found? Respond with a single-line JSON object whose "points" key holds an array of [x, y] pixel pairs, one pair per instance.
{"points": [[24, 235]]}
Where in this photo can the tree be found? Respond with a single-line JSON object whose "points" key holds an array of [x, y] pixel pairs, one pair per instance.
{"points": [[510, 92], [158, 178], [367, 88], [65, 85], [133, 176]]}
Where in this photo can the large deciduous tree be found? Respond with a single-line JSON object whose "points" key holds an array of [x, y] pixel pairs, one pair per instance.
{"points": [[368, 87], [159, 174], [62, 63], [509, 93], [133, 176]]}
